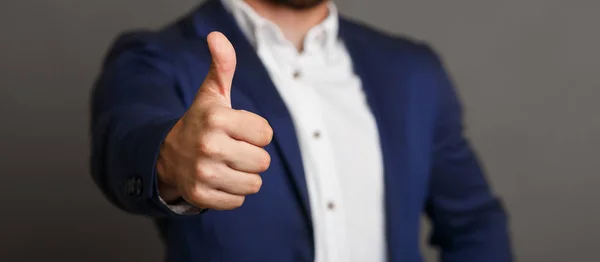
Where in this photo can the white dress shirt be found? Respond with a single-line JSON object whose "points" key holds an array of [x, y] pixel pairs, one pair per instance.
{"points": [[336, 131]]}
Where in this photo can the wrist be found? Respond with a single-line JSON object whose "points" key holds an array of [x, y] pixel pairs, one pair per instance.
{"points": [[167, 188], [168, 193]]}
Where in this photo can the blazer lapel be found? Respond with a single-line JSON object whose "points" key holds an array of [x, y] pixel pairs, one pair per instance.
{"points": [[252, 79]]}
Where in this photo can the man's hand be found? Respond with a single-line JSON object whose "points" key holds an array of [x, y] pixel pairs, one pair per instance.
{"points": [[214, 153]]}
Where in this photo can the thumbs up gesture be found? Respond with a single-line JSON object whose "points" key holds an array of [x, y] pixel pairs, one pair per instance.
{"points": [[213, 154]]}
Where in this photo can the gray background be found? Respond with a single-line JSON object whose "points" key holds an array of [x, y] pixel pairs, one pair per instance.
{"points": [[528, 72]]}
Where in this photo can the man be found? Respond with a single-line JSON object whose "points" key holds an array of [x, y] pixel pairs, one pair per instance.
{"points": [[365, 129]]}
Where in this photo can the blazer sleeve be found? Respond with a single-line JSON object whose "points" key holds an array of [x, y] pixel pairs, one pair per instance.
{"points": [[469, 223], [135, 103]]}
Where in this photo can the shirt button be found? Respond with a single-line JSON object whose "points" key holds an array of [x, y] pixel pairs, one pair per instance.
{"points": [[330, 206], [317, 134], [297, 74]]}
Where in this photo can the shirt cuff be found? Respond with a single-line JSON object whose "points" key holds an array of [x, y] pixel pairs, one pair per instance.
{"points": [[181, 207]]}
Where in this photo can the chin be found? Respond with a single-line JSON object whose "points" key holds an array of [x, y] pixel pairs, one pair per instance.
{"points": [[298, 4]]}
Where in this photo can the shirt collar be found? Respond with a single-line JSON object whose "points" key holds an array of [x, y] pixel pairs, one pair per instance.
{"points": [[255, 27]]}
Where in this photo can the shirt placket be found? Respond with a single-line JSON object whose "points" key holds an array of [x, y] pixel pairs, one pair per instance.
{"points": [[325, 172]]}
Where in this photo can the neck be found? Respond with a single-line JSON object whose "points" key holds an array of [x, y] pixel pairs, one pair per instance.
{"points": [[294, 23]]}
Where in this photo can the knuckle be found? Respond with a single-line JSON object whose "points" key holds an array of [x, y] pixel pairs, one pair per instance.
{"points": [[206, 173], [199, 195], [266, 133], [207, 147], [245, 112], [237, 202], [260, 125], [229, 203], [264, 161], [255, 185], [214, 118]]}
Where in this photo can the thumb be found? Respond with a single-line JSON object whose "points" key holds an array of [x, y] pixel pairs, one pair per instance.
{"points": [[220, 75]]}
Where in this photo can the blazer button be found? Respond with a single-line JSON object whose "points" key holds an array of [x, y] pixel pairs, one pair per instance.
{"points": [[134, 186]]}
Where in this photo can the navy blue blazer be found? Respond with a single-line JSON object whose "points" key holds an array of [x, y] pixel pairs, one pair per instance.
{"points": [[149, 80]]}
